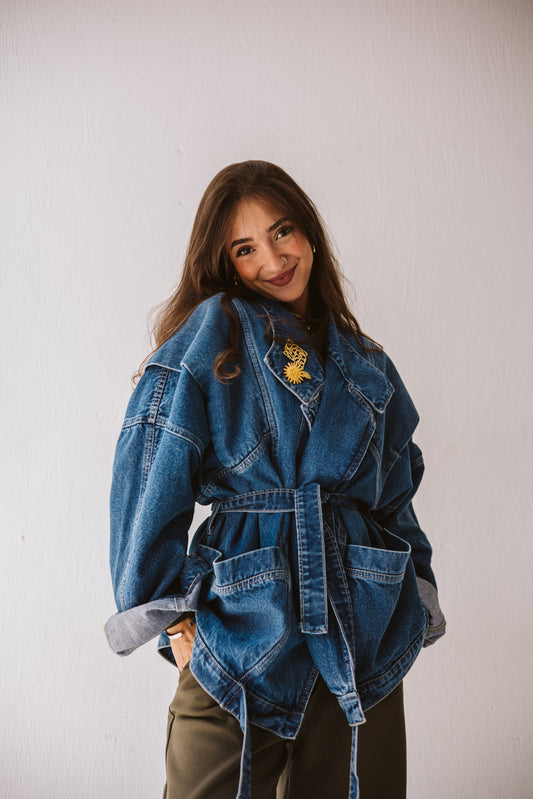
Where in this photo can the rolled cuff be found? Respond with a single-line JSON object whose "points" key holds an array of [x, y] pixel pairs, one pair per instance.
{"points": [[437, 622], [129, 629]]}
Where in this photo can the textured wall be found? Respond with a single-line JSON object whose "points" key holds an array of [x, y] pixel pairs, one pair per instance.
{"points": [[410, 123]]}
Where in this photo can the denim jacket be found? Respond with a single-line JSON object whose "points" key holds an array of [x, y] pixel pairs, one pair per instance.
{"points": [[312, 560]]}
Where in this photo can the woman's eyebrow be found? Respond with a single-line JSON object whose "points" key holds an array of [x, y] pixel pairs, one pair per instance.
{"points": [[270, 229], [278, 223]]}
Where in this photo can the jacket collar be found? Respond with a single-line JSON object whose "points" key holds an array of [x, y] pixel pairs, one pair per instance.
{"points": [[358, 374]]}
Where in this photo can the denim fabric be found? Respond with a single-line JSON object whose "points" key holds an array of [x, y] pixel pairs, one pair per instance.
{"points": [[309, 561]]}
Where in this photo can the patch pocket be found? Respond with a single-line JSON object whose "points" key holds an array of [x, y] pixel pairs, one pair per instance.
{"points": [[243, 616], [375, 579]]}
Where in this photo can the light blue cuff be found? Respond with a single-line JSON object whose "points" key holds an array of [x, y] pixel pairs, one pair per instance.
{"points": [[437, 622], [131, 628]]}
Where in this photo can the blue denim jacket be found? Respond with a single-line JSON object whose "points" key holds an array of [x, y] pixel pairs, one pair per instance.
{"points": [[312, 560]]}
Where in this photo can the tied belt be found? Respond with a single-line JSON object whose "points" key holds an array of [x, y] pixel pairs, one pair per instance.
{"points": [[306, 503]]}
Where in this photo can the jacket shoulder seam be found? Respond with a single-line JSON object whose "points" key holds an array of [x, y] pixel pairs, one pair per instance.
{"points": [[162, 365]]}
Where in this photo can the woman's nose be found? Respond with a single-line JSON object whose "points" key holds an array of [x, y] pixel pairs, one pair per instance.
{"points": [[273, 260]]}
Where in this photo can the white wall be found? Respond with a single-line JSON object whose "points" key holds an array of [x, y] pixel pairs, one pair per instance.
{"points": [[410, 123]]}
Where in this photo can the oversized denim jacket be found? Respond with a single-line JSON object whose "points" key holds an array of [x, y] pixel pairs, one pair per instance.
{"points": [[312, 560]]}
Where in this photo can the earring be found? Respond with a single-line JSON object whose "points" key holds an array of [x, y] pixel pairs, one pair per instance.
{"points": [[235, 280], [313, 248]]}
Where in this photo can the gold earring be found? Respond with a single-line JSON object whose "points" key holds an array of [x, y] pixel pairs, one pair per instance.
{"points": [[313, 248]]}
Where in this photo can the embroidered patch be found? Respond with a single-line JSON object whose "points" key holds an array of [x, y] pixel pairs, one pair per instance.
{"points": [[294, 371]]}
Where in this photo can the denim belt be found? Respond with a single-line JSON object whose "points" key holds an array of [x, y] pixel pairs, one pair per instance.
{"points": [[306, 503]]}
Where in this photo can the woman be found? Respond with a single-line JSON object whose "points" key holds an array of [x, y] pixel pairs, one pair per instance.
{"points": [[303, 600]]}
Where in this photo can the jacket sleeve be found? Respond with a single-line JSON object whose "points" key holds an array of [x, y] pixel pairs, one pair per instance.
{"points": [[395, 512], [400, 472], [157, 459]]}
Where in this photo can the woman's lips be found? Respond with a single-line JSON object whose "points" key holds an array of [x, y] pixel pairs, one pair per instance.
{"points": [[284, 279]]}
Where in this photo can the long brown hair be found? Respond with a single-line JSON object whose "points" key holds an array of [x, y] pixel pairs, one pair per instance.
{"points": [[207, 269]]}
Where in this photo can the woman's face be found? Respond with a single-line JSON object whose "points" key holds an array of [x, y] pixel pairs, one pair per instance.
{"points": [[270, 256]]}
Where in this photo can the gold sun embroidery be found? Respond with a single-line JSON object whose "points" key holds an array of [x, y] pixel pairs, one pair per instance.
{"points": [[294, 371]]}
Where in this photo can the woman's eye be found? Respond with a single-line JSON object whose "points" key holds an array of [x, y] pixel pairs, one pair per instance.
{"points": [[243, 251], [284, 231]]}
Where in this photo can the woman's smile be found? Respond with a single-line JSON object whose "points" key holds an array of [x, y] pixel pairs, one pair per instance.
{"points": [[284, 279]]}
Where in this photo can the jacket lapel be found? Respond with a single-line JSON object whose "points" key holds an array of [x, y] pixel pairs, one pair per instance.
{"points": [[295, 366], [354, 392]]}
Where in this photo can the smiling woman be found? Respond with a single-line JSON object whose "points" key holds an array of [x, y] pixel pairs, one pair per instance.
{"points": [[271, 257], [303, 601]]}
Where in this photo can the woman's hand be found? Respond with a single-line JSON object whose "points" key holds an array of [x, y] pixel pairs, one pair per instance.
{"points": [[182, 646]]}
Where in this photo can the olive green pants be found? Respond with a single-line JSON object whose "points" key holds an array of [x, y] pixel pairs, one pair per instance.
{"points": [[204, 745]]}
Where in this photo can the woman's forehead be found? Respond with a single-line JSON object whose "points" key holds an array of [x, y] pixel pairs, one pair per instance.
{"points": [[266, 204], [259, 210]]}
